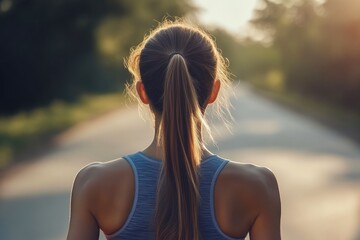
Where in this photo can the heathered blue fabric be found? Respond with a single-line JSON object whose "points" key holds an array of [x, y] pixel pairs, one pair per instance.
{"points": [[140, 226]]}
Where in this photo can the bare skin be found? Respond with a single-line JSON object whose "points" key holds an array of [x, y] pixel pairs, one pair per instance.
{"points": [[247, 198]]}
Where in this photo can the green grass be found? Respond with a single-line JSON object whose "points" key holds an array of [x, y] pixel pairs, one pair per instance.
{"points": [[25, 130]]}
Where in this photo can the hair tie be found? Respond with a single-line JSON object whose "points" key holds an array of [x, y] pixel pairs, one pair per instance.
{"points": [[174, 53]]}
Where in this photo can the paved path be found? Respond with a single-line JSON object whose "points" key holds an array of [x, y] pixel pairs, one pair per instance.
{"points": [[318, 170]]}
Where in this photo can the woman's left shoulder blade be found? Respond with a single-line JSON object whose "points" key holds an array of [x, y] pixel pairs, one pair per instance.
{"points": [[95, 177]]}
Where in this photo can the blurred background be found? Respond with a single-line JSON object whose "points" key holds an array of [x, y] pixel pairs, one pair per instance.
{"points": [[296, 71]]}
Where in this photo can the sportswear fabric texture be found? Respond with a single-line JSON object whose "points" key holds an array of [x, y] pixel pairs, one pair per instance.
{"points": [[139, 224]]}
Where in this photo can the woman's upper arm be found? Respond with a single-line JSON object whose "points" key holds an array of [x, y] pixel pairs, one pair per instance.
{"points": [[83, 225], [267, 223]]}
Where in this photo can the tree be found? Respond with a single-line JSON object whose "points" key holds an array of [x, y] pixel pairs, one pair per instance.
{"points": [[50, 49], [318, 45]]}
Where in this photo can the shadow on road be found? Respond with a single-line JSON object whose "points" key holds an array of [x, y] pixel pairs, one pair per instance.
{"points": [[40, 217]]}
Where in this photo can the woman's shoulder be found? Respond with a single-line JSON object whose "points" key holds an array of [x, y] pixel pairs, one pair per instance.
{"points": [[250, 182], [105, 191], [100, 177], [246, 173], [243, 192]]}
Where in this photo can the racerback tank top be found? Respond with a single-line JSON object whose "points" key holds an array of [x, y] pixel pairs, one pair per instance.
{"points": [[139, 224]]}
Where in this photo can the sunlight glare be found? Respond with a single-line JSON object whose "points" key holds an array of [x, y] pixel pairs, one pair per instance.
{"points": [[231, 15]]}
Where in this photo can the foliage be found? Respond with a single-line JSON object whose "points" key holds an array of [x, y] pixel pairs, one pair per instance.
{"points": [[318, 47], [28, 129], [247, 59], [62, 49]]}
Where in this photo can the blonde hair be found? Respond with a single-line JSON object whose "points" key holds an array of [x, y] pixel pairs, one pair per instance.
{"points": [[178, 64]]}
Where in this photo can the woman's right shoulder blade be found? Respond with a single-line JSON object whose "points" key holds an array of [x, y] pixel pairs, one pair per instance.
{"points": [[260, 178], [258, 187]]}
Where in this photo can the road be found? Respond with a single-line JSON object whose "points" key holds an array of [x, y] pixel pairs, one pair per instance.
{"points": [[318, 170]]}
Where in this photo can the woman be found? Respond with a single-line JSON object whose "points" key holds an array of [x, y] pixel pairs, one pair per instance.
{"points": [[175, 188]]}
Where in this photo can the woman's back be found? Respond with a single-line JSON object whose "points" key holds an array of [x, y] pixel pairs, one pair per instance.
{"points": [[177, 71], [123, 196]]}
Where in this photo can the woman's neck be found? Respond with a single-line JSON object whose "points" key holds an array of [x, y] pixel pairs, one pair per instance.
{"points": [[155, 149]]}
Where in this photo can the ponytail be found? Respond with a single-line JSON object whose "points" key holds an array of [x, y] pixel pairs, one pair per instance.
{"points": [[178, 87], [178, 192]]}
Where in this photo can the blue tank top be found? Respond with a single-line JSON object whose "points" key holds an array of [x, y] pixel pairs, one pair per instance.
{"points": [[139, 224]]}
